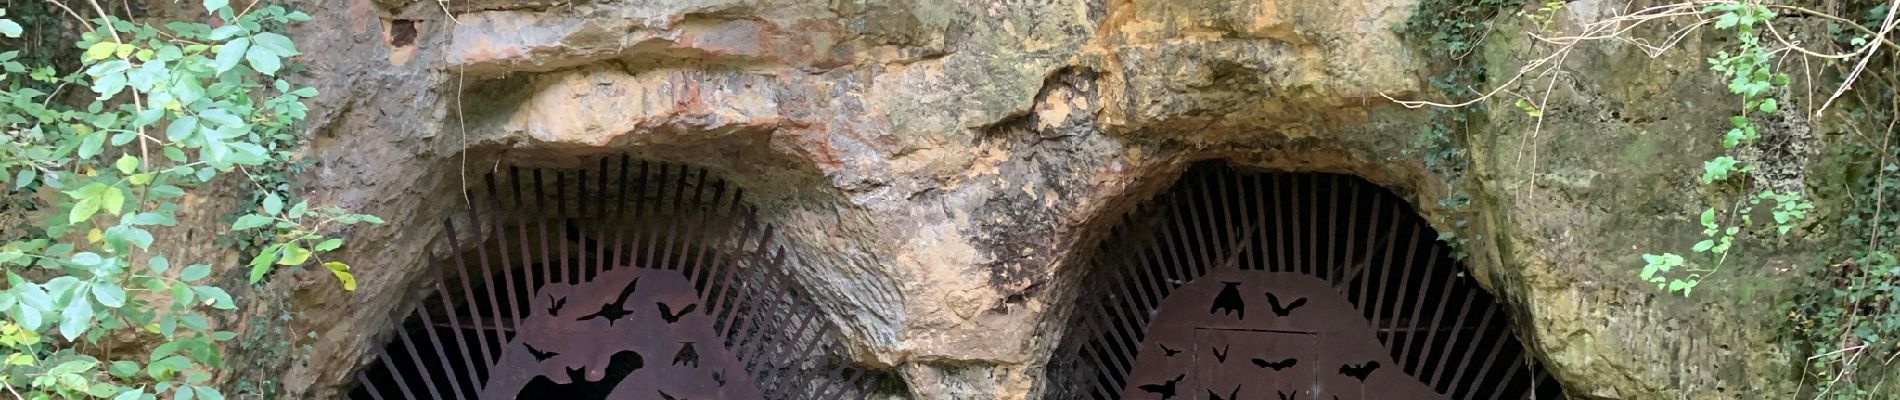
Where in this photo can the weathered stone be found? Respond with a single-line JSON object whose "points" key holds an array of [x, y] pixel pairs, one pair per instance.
{"points": [[942, 169]]}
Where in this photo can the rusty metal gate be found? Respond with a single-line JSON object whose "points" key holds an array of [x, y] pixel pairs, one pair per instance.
{"points": [[630, 281], [1286, 286]]}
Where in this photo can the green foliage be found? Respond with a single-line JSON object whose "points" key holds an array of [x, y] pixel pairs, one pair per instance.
{"points": [[1750, 73], [1448, 31], [169, 109]]}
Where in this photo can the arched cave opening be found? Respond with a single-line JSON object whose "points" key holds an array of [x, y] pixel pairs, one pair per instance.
{"points": [[629, 280], [1285, 285]]}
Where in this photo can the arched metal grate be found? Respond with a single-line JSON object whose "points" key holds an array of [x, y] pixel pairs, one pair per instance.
{"points": [[638, 282], [1286, 286]]}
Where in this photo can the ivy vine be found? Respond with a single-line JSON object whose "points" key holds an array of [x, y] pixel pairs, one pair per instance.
{"points": [[93, 175]]}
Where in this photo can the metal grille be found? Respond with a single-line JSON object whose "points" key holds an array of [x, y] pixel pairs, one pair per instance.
{"points": [[1286, 286], [629, 281]]}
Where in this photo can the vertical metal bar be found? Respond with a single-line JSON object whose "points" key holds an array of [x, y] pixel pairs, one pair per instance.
{"points": [[764, 247], [694, 232], [540, 200], [672, 224], [1260, 210], [639, 217], [1431, 339], [1299, 231], [603, 220], [468, 296], [1484, 370], [721, 276], [441, 357], [415, 357], [1183, 252], [1418, 303], [1227, 211], [1506, 381], [468, 357], [1313, 257], [1457, 380], [1331, 261], [621, 222], [1385, 271], [1148, 278], [1452, 344], [715, 229], [521, 226], [1281, 260], [567, 222], [1352, 235], [1205, 245], [369, 386], [1364, 267], [652, 229], [481, 256], [1405, 284], [578, 230], [501, 245], [394, 373]]}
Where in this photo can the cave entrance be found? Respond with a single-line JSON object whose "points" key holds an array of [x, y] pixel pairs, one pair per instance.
{"points": [[643, 281], [1286, 286]]}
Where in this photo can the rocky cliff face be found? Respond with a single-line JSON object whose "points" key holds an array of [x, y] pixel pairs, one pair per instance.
{"points": [[941, 168]]}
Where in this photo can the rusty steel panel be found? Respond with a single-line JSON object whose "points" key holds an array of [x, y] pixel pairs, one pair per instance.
{"points": [[628, 281], [1285, 286]]}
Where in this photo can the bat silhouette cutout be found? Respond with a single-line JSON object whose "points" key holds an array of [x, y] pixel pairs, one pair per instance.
{"points": [[1228, 301], [1360, 371], [1220, 355], [555, 310], [1291, 396], [538, 354], [664, 396], [616, 310], [666, 312], [1166, 389], [720, 378], [619, 366], [1274, 302], [1167, 352], [1275, 365], [687, 355], [1235, 395]]}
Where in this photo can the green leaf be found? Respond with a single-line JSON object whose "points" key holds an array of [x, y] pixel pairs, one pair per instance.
{"points": [[250, 221], [209, 393], [328, 245], [195, 272], [293, 255], [159, 264], [87, 259], [296, 211], [179, 130], [74, 320], [9, 28], [273, 204], [24, 177], [133, 394], [184, 392], [1770, 105], [263, 60], [275, 43], [124, 369], [342, 272], [1704, 245], [109, 294], [215, 297], [214, 5], [126, 164], [230, 53], [101, 50]]}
